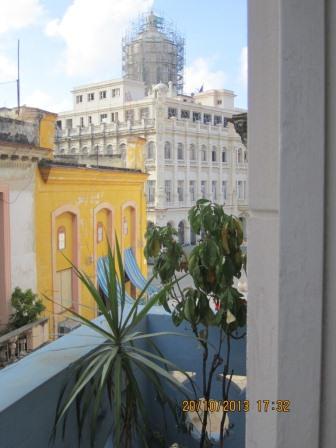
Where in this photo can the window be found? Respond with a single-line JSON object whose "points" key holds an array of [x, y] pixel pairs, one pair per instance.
{"points": [[151, 150], [85, 150], [167, 151], [109, 149], [214, 190], [192, 191], [224, 189], [245, 156], [241, 189], [185, 114], [239, 155], [180, 190], [103, 118], [144, 113], [203, 189], [81, 122], [219, 102], [203, 154], [196, 116], [100, 232], [129, 115], [89, 119], [102, 94], [114, 117], [217, 119], [150, 191], [180, 152], [115, 92], [61, 240], [122, 149], [207, 118], [59, 124], [168, 189], [192, 152], [90, 96], [73, 150], [214, 154], [224, 155], [79, 99], [172, 112], [68, 123]]}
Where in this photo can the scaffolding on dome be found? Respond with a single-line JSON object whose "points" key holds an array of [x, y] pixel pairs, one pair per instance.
{"points": [[153, 52]]}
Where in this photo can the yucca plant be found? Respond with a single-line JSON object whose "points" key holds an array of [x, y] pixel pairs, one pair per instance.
{"points": [[112, 369]]}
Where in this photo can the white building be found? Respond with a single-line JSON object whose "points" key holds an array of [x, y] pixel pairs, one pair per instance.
{"points": [[192, 150]]}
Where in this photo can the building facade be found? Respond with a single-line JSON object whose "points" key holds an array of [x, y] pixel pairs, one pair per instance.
{"points": [[192, 150], [52, 212]]}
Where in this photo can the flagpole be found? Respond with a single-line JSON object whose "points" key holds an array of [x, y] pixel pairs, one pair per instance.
{"points": [[18, 77]]}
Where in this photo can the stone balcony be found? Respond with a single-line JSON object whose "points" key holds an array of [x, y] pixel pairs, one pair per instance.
{"points": [[20, 342], [104, 129]]}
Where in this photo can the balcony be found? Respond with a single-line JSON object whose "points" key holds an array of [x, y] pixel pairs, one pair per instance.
{"points": [[104, 129], [30, 389], [20, 342]]}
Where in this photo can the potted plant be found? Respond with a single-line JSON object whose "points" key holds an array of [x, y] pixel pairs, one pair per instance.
{"points": [[111, 368], [27, 306]]}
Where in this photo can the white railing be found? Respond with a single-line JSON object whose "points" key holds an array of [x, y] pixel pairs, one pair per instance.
{"points": [[18, 343]]}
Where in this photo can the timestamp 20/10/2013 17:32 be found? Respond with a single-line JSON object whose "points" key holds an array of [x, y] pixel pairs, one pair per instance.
{"points": [[201, 405]]}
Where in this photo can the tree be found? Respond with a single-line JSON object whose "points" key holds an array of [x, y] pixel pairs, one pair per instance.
{"points": [[213, 300]]}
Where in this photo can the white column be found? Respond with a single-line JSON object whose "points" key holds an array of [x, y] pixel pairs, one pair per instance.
{"points": [[328, 399], [285, 230]]}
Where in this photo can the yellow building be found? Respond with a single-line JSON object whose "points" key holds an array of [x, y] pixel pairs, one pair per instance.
{"points": [[78, 210], [52, 212]]}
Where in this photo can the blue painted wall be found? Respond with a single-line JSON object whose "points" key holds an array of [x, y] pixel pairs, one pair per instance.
{"points": [[30, 389]]}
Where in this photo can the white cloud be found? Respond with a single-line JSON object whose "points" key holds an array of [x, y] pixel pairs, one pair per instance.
{"points": [[8, 71], [200, 73], [92, 32], [43, 100], [16, 14], [244, 66]]}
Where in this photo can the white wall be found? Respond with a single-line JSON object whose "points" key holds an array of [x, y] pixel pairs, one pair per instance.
{"points": [[21, 181], [285, 229]]}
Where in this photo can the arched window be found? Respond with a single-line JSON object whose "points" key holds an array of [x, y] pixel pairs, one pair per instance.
{"points": [[73, 150], [100, 232], [245, 155], [181, 232], [109, 149], [85, 150], [224, 155], [239, 155], [61, 241], [192, 152], [61, 150], [203, 154], [180, 154], [167, 151], [151, 150], [214, 154], [122, 150]]}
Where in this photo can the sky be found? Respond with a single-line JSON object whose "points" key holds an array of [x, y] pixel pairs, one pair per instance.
{"points": [[66, 43]]}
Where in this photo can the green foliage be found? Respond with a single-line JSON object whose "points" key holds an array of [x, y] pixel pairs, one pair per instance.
{"points": [[212, 300], [110, 370], [213, 264], [28, 308]]}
